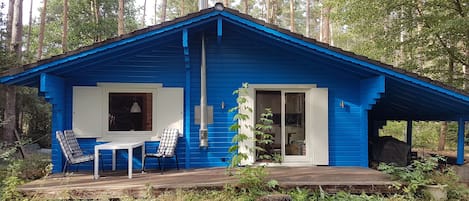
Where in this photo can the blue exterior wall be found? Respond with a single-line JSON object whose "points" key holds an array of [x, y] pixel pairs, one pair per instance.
{"points": [[240, 56], [170, 71]]}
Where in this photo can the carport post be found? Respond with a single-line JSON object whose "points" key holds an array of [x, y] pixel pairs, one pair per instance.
{"points": [[409, 133], [460, 157]]}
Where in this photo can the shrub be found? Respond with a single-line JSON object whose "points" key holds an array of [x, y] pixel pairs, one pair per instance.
{"points": [[414, 176], [15, 172], [424, 172]]}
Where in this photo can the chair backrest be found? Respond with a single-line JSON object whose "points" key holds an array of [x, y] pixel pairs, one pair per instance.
{"points": [[64, 145], [73, 143], [168, 142]]}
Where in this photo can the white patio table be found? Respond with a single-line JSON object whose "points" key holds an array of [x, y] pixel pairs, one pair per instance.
{"points": [[115, 146]]}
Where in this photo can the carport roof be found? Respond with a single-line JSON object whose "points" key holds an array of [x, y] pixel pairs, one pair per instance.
{"points": [[407, 96]]}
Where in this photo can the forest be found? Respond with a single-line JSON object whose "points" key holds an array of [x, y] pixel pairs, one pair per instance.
{"points": [[426, 37]]}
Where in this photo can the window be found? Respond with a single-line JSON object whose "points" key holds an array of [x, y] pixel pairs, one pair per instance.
{"points": [[130, 112], [126, 111]]}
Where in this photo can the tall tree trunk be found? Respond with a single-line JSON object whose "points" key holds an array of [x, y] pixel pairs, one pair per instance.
{"points": [[226, 3], [308, 18], [10, 14], [444, 124], [41, 30], [450, 74], [95, 11], [183, 12], [163, 10], [292, 15], [155, 11], [442, 137], [246, 5], [325, 35], [30, 23], [268, 11], [270, 6], [65, 27], [17, 30], [9, 114], [144, 13], [465, 72], [120, 21]]}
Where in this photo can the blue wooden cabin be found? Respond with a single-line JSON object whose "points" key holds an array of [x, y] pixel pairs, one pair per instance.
{"points": [[326, 102]]}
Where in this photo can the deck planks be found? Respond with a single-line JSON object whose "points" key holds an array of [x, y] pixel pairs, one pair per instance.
{"points": [[117, 184]]}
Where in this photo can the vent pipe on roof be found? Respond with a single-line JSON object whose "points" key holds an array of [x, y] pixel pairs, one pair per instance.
{"points": [[203, 132], [203, 4]]}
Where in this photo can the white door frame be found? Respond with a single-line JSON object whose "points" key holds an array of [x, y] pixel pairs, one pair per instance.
{"points": [[284, 88]]}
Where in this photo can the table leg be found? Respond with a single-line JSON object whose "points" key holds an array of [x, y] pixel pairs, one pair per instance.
{"points": [[131, 156], [96, 163], [113, 160]]}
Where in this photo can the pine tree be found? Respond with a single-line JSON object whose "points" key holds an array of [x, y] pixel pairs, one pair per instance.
{"points": [[65, 27], [120, 21], [41, 31]]}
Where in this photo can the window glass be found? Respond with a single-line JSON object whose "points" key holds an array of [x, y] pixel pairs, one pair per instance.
{"points": [[130, 112]]}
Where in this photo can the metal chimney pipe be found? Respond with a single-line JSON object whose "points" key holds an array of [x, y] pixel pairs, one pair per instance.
{"points": [[203, 132], [203, 4]]}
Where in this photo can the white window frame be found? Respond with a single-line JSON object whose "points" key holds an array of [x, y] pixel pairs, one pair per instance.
{"points": [[128, 88]]}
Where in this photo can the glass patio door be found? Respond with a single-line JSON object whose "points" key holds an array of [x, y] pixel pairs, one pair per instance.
{"points": [[288, 129], [294, 126]]}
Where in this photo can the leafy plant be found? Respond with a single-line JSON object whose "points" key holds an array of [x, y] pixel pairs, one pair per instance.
{"points": [[8, 188], [262, 140], [417, 174], [299, 194], [455, 189], [14, 172], [237, 156], [263, 137], [252, 180]]}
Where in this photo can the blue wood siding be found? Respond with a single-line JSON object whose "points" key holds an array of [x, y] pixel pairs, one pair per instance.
{"points": [[53, 88], [240, 56]]}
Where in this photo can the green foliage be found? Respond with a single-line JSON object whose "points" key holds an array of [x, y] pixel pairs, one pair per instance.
{"points": [[8, 188], [425, 37], [7, 59], [239, 138], [263, 137], [14, 172], [299, 194], [455, 190], [36, 116], [426, 172], [83, 27], [424, 134], [252, 180], [193, 195]]}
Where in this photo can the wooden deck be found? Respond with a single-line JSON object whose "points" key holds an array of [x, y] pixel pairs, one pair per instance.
{"points": [[116, 184]]}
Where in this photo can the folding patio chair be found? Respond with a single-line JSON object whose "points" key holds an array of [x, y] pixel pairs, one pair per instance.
{"points": [[166, 149], [71, 149]]}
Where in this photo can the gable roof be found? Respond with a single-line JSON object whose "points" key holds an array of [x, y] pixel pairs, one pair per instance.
{"points": [[29, 74]]}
